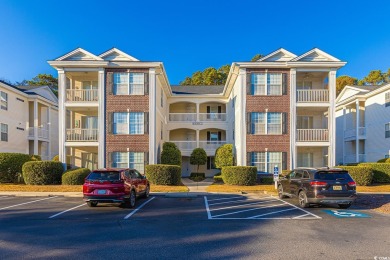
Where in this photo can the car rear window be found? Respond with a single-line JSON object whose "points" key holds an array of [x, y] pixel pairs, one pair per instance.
{"points": [[105, 176], [332, 176]]}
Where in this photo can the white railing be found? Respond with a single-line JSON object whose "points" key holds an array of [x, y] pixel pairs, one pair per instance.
{"points": [[42, 132], [312, 135], [211, 145], [212, 117], [351, 133], [88, 135], [77, 95], [183, 117], [313, 95], [351, 158], [185, 145]]}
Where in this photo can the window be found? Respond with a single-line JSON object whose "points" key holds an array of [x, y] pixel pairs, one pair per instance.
{"points": [[4, 100], [128, 123], [134, 160], [266, 123], [210, 163], [304, 122], [304, 85], [129, 83], [267, 84], [305, 160], [387, 130], [387, 99], [4, 132], [266, 161]]}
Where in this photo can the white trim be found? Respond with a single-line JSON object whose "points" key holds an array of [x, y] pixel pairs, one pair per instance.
{"points": [[101, 118], [281, 50], [152, 116], [79, 50], [318, 51], [115, 50]]}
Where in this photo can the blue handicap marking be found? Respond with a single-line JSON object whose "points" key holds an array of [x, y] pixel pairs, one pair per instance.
{"points": [[342, 213]]}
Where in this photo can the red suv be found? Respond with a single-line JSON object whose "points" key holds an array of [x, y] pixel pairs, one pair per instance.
{"points": [[115, 185]]}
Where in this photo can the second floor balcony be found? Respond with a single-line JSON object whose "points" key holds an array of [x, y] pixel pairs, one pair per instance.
{"points": [[312, 96], [42, 132], [312, 135], [351, 134], [81, 95], [82, 135]]}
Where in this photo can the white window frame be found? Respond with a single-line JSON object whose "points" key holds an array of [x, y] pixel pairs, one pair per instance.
{"points": [[3, 132], [267, 161], [267, 85], [133, 128], [133, 160], [265, 128], [130, 85], [4, 100]]}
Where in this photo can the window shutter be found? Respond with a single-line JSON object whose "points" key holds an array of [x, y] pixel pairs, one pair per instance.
{"points": [[208, 135], [208, 109], [248, 123], [146, 158], [110, 128], [284, 123], [110, 82], [248, 159], [284, 83], [146, 84], [248, 84], [208, 163], [219, 136], [219, 109], [110, 160], [146, 123], [284, 160]]}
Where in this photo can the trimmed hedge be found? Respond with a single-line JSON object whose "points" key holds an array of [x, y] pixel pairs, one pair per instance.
{"points": [[239, 175], [162, 174], [75, 176], [224, 156], [36, 157], [218, 177], [197, 174], [170, 154], [11, 166], [267, 180], [42, 172], [56, 158], [362, 175], [381, 171], [384, 160]]}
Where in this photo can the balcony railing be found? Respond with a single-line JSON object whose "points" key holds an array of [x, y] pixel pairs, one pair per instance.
{"points": [[185, 145], [351, 133], [212, 117], [182, 117], [351, 158], [312, 135], [83, 135], [42, 132], [312, 95], [211, 145], [82, 95]]}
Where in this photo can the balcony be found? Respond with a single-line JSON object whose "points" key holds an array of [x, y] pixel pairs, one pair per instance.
{"points": [[42, 132], [350, 134], [185, 145], [205, 117], [211, 145], [313, 96], [182, 117], [82, 135], [312, 135], [82, 95], [192, 117], [351, 158]]}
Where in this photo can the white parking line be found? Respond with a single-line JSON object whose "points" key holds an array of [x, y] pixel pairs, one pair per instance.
{"points": [[62, 212], [207, 207], [134, 211], [242, 205], [299, 208], [232, 201], [226, 198], [270, 213], [28, 202], [246, 210]]}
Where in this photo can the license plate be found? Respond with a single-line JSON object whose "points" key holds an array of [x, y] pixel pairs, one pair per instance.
{"points": [[100, 192], [337, 188]]}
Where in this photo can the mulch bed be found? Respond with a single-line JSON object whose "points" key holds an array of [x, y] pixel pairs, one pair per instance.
{"points": [[377, 202]]}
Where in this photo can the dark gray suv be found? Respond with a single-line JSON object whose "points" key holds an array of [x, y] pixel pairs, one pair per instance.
{"points": [[318, 186]]}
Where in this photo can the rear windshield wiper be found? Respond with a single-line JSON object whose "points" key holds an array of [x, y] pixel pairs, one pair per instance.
{"points": [[340, 179]]}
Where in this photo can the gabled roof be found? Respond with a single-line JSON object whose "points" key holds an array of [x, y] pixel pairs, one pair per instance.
{"points": [[197, 90], [315, 55], [114, 54], [354, 91], [279, 55], [79, 54]]}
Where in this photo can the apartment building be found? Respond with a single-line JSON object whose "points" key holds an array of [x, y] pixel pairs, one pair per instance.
{"points": [[28, 118], [363, 124], [117, 111]]}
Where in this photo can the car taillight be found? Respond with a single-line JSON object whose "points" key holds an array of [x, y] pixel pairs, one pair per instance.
{"points": [[318, 183], [352, 184]]}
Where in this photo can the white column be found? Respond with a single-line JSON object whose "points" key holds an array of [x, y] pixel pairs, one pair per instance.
{"points": [[344, 129], [36, 126], [357, 130], [293, 115], [49, 132], [61, 115], [101, 121], [197, 112], [241, 151], [152, 116], [332, 118]]}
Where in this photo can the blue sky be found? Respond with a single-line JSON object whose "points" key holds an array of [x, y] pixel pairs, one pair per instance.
{"points": [[192, 35]]}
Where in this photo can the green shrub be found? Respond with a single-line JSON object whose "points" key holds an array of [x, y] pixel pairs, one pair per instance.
{"points": [[161, 174], [75, 176], [170, 154], [198, 157], [11, 166], [42, 172], [267, 180], [239, 175], [285, 172], [36, 157], [362, 175], [197, 174], [56, 158], [218, 177], [384, 160], [224, 156], [381, 171]]}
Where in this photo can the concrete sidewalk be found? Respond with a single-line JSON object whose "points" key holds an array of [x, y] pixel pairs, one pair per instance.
{"points": [[197, 186]]}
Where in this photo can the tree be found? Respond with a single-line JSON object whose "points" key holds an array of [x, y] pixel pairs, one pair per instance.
{"points": [[210, 76], [224, 156], [375, 77], [343, 81], [257, 57], [170, 154], [44, 80], [186, 82], [197, 78], [198, 157]]}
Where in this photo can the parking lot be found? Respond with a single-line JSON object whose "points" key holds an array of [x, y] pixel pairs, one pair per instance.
{"points": [[212, 226]]}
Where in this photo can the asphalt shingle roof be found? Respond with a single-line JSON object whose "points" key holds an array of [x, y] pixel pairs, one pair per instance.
{"points": [[196, 90]]}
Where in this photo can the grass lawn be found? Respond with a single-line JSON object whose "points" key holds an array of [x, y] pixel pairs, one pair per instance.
{"points": [[78, 188], [374, 188]]}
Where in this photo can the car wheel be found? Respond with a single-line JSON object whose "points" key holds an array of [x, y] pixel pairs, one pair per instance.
{"points": [[303, 199], [147, 191], [344, 206], [132, 199], [92, 203], [280, 192]]}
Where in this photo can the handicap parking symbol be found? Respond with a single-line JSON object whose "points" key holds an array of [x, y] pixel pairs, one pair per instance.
{"points": [[346, 213]]}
